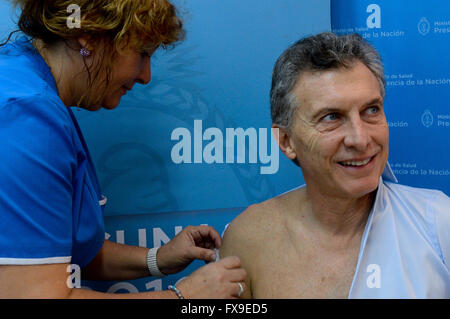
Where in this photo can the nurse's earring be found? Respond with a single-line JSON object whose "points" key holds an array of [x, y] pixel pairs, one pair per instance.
{"points": [[85, 53], [85, 47]]}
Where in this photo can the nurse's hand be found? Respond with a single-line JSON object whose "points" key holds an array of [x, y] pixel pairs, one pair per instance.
{"points": [[223, 279], [193, 242]]}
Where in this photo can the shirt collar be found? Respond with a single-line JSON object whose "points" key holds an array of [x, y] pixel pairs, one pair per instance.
{"points": [[388, 174], [25, 44]]}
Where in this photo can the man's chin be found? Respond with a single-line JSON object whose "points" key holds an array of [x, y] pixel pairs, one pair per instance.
{"points": [[359, 189]]}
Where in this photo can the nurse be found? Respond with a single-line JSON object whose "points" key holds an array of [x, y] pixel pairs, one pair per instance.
{"points": [[51, 207]]}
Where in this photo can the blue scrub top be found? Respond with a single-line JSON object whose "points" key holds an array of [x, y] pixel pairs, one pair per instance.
{"points": [[50, 208]]}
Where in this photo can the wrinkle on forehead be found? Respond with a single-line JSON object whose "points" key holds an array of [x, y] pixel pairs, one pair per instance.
{"points": [[307, 85], [334, 87]]}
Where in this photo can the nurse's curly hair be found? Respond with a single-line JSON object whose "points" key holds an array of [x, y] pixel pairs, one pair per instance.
{"points": [[142, 24], [140, 21]]}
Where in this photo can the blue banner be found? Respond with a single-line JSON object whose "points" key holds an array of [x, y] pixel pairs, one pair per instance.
{"points": [[413, 38], [195, 145]]}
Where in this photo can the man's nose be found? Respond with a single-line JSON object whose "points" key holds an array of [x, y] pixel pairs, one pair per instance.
{"points": [[357, 135], [146, 73]]}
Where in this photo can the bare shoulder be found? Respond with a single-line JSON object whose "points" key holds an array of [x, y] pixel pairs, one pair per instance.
{"points": [[251, 229], [244, 231], [256, 234], [245, 237]]}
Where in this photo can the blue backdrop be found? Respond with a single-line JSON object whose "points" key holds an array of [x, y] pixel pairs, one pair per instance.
{"points": [[164, 157], [413, 38], [218, 79]]}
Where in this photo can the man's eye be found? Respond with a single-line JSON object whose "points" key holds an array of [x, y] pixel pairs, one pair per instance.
{"points": [[373, 110], [330, 117]]}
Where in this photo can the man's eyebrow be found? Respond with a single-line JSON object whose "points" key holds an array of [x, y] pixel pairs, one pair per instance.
{"points": [[377, 100]]}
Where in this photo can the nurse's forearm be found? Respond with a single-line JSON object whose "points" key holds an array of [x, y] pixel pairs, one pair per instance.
{"points": [[117, 262], [90, 294]]}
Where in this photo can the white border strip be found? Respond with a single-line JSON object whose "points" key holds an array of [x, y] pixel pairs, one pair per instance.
{"points": [[35, 261], [103, 201]]}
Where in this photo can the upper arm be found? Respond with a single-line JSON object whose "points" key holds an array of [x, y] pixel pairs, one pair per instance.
{"points": [[238, 240]]}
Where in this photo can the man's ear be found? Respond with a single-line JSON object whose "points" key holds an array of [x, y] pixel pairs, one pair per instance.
{"points": [[282, 135]]}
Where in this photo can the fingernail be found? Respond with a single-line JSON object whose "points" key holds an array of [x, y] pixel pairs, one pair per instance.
{"points": [[213, 257]]}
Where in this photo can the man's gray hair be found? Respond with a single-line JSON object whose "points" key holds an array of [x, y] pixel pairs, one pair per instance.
{"points": [[324, 51]]}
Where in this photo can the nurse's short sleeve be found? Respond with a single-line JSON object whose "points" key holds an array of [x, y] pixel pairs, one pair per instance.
{"points": [[441, 210], [36, 168]]}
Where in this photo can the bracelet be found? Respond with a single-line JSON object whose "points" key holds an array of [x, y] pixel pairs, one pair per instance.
{"points": [[176, 291], [152, 263]]}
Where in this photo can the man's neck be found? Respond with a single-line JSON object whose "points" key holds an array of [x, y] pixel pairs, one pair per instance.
{"points": [[337, 216]]}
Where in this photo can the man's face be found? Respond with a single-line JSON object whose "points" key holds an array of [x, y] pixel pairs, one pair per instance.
{"points": [[339, 134]]}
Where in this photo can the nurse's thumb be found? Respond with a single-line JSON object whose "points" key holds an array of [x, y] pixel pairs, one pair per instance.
{"points": [[208, 255]]}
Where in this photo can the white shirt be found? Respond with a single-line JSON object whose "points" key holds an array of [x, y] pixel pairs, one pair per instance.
{"points": [[405, 248]]}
